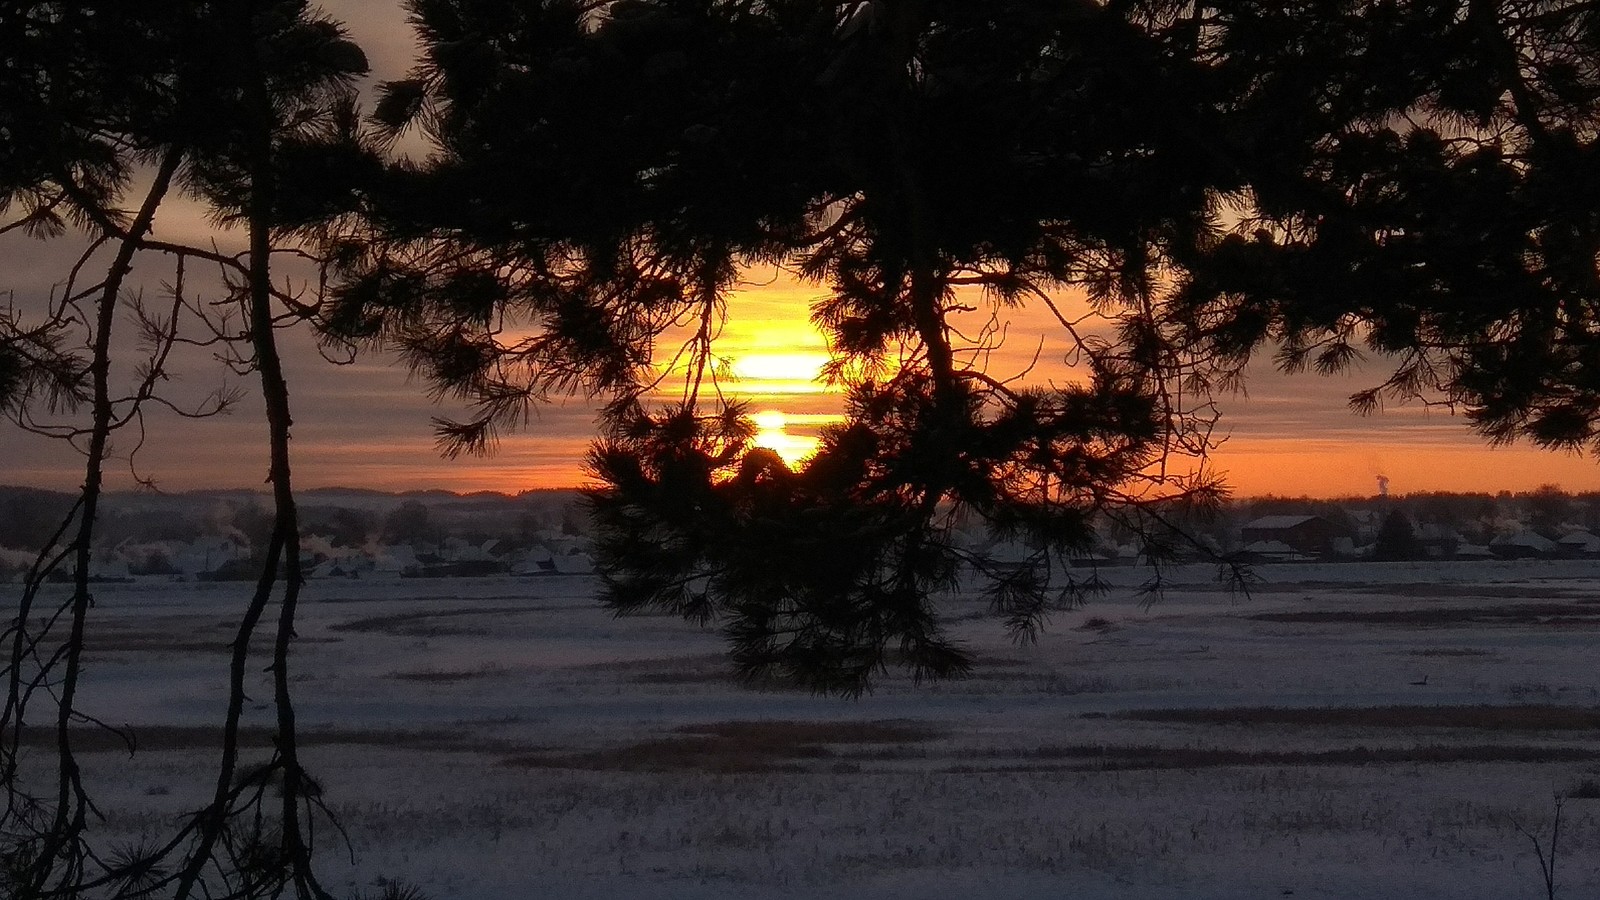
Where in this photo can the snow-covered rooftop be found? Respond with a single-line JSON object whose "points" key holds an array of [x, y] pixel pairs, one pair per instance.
{"points": [[1529, 539], [1278, 522]]}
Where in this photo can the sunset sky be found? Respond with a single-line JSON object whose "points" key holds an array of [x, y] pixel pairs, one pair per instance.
{"points": [[365, 425]]}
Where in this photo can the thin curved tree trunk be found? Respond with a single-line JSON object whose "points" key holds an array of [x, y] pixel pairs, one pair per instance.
{"points": [[275, 391], [72, 804], [283, 548]]}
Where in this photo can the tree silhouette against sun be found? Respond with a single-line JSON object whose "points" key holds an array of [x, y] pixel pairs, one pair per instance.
{"points": [[1212, 179]]}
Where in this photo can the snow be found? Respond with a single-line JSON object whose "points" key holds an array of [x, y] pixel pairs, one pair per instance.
{"points": [[499, 738], [1277, 523], [1274, 549], [1525, 540], [1580, 541]]}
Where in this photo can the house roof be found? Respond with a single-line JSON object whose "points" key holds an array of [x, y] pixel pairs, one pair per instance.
{"points": [[1528, 539], [1270, 548], [1581, 540], [1275, 523]]}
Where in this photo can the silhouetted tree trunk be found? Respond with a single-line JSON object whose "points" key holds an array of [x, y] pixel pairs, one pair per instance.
{"points": [[211, 93], [58, 857], [283, 549], [896, 154]]}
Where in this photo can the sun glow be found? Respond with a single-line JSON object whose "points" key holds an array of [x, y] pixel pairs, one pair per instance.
{"points": [[772, 434], [767, 355], [785, 372]]}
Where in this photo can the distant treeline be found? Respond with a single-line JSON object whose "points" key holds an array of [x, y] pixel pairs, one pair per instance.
{"points": [[355, 517], [343, 518], [1478, 517]]}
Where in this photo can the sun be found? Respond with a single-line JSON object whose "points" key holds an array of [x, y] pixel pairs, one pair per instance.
{"points": [[769, 357], [780, 372], [772, 434]]}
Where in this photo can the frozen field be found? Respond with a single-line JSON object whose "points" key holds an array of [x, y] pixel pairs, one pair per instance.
{"points": [[1353, 731]]}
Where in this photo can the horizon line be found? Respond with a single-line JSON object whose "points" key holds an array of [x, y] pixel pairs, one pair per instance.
{"points": [[513, 494]]}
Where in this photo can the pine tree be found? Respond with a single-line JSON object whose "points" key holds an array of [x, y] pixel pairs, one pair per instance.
{"points": [[1396, 540], [229, 101], [605, 172], [1215, 177], [1431, 196]]}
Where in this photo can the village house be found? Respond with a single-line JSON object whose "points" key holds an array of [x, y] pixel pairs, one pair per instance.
{"points": [[1579, 544], [1303, 535], [1524, 545], [1436, 541]]}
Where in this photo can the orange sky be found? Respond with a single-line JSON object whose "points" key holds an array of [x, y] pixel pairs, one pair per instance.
{"points": [[364, 425], [1287, 435]]}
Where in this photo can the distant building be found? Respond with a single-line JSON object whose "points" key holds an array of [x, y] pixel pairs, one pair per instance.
{"points": [[1437, 541], [578, 563], [1308, 535], [392, 560], [537, 560], [1524, 545], [542, 559], [1579, 543], [1269, 552], [209, 553], [115, 569]]}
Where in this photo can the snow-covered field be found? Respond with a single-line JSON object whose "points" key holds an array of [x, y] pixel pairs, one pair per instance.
{"points": [[1341, 733]]}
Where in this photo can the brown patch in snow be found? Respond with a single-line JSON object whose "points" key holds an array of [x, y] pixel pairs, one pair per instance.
{"points": [[439, 676], [429, 624], [1505, 614], [168, 738], [737, 747], [1111, 757], [1486, 718]]}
